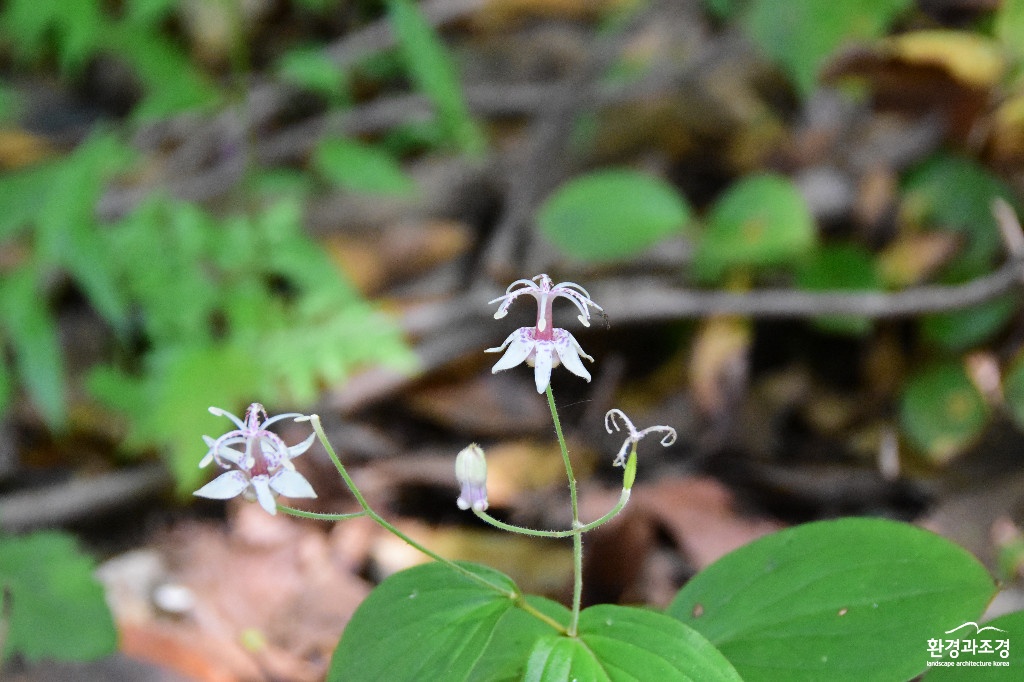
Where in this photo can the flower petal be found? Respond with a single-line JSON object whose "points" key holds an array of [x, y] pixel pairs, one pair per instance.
{"points": [[518, 351], [217, 412], [261, 484], [569, 356], [296, 450], [225, 486], [542, 365], [291, 484]]}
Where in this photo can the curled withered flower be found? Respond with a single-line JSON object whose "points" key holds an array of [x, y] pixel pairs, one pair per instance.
{"points": [[611, 421]]}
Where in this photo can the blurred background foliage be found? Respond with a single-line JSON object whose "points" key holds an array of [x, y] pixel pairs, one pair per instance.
{"points": [[219, 297]]}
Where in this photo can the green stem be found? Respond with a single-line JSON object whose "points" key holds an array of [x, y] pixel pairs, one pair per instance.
{"points": [[292, 511], [623, 499], [577, 535], [383, 523]]}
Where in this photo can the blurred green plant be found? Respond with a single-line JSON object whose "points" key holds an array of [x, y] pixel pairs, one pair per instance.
{"points": [[612, 215], [263, 311], [210, 298], [76, 31], [52, 606]]}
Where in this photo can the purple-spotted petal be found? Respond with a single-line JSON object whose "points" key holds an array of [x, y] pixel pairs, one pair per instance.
{"points": [[569, 352], [542, 364], [261, 484], [225, 486], [291, 484], [519, 349]]}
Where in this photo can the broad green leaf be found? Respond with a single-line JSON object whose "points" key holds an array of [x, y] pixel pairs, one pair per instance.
{"points": [[620, 643], [1007, 668], [57, 608], [852, 599], [941, 411], [760, 221], [843, 267], [361, 168], [801, 34], [504, 659], [955, 193], [426, 623], [435, 73], [32, 332], [611, 215], [959, 330]]}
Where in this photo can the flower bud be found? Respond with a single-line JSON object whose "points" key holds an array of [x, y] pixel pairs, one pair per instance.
{"points": [[471, 472]]}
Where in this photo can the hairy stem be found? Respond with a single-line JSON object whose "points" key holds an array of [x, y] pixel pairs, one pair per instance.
{"points": [[577, 534]]}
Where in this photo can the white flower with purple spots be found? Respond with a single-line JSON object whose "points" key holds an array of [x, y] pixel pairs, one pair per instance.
{"points": [[262, 468], [544, 346]]}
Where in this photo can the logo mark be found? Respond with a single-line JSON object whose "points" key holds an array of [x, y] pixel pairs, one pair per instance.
{"points": [[977, 628]]}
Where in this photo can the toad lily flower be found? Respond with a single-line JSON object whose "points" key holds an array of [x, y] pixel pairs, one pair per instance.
{"points": [[544, 346], [634, 436], [260, 470]]}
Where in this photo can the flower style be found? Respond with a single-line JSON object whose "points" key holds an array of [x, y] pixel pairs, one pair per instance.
{"points": [[471, 472], [263, 468], [544, 346], [634, 436]]}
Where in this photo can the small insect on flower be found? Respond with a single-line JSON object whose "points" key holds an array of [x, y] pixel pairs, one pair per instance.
{"points": [[544, 346], [262, 468], [634, 436]]}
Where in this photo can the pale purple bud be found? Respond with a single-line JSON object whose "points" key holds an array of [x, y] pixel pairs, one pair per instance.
{"points": [[471, 472]]}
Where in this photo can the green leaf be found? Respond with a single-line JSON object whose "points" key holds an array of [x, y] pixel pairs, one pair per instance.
{"points": [[361, 168], [1009, 26], [843, 267], [425, 623], [760, 221], [942, 412], [959, 330], [310, 68], [172, 83], [955, 193], [33, 334], [853, 599], [504, 659], [1012, 623], [22, 194], [74, 26], [1013, 390], [611, 215], [67, 228], [623, 643], [435, 73], [801, 34], [57, 609], [6, 387]]}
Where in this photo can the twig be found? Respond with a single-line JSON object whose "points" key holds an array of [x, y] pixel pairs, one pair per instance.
{"points": [[646, 301], [80, 498]]}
